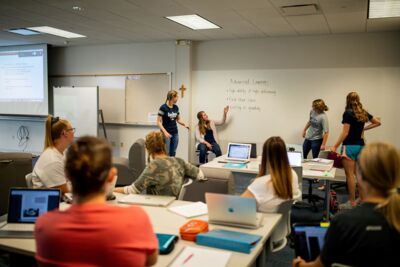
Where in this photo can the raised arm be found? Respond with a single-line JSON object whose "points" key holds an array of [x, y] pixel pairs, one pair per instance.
{"points": [[223, 120]]}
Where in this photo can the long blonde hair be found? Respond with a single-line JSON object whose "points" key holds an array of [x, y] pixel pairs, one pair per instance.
{"points": [[171, 94], [54, 128], [379, 164], [202, 123], [275, 160], [353, 103]]}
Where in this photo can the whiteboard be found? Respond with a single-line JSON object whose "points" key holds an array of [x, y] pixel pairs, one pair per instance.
{"points": [[79, 105], [144, 94], [270, 102]]}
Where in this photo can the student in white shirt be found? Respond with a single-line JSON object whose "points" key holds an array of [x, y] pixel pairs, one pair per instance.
{"points": [[49, 169], [280, 184]]}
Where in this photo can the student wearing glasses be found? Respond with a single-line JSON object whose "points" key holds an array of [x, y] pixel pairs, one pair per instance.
{"points": [[49, 169], [369, 234], [92, 232]]}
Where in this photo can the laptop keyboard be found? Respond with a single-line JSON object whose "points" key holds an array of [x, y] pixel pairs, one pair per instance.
{"points": [[18, 227]]}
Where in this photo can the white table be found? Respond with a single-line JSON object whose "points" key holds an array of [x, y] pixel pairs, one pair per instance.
{"points": [[216, 169], [168, 222]]}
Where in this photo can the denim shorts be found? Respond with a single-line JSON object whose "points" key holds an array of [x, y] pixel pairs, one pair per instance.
{"points": [[352, 151]]}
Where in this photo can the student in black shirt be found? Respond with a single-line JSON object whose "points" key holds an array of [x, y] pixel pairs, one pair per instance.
{"points": [[368, 235], [354, 119], [168, 116]]}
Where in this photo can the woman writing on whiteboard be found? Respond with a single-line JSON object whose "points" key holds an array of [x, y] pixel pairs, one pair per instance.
{"points": [[351, 138], [168, 116], [206, 135], [316, 130], [49, 169]]}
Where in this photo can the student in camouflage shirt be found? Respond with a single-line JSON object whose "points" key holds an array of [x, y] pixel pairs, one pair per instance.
{"points": [[163, 175]]}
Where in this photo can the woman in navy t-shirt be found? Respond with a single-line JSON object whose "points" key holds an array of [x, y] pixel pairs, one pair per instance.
{"points": [[168, 116], [351, 138]]}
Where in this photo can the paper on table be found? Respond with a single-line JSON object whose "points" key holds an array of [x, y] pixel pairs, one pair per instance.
{"points": [[190, 210], [200, 257]]}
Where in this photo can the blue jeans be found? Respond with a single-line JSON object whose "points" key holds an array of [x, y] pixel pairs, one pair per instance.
{"points": [[314, 145], [203, 151], [171, 144]]}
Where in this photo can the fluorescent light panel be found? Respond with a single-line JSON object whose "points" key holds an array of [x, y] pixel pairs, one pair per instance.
{"points": [[23, 31], [194, 22], [55, 31], [384, 9]]}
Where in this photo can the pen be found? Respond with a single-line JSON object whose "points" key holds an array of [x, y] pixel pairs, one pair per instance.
{"points": [[188, 258]]}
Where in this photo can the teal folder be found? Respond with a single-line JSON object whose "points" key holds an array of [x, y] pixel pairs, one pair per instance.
{"points": [[236, 165], [228, 240]]}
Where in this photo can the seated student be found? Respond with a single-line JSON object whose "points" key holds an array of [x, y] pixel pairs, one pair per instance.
{"points": [[163, 175], [369, 234], [49, 169], [92, 232], [206, 135], [280, 184]]}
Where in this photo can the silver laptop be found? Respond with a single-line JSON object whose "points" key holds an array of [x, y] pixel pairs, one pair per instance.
{"points": [[24, 207], [233, 211], [295, 158], [147, 200], [238, 152]]}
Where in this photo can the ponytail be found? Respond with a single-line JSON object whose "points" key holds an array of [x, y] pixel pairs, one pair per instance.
{"points": [[171, 94], [54, 128]]}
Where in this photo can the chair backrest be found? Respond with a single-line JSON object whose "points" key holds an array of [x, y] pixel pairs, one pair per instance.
{"points": [[196, 190], [28, 180], [279, 235], [299, 171], [137, 157], [186, 183], [13, 168]]}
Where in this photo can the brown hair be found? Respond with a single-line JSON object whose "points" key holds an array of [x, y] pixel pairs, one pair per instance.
{"points": [[275, 160], [155, 143], [379, 165], [319, 105], [202, 123], [88, 162], [171, 94], [353, 103], [54, 128]]}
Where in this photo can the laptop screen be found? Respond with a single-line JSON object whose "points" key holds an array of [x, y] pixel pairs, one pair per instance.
{"points": [[239, 151], [26, 205], [295, 158], [309, 240]]}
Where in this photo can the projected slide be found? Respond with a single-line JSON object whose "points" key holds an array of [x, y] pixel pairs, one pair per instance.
{"points": [[21, 75]]}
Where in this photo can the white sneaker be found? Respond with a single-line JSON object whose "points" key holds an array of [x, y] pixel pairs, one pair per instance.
{"points": [[347, 205]]}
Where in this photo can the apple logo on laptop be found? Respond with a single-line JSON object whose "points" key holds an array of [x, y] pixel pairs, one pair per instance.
{"points": [[231, 210]]}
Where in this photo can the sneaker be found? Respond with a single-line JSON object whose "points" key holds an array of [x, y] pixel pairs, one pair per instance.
{"points": [[322, 187], [347, 205]]}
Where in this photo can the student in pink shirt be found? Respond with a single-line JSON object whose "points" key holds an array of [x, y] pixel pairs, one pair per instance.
{"points": [[92, 232]]}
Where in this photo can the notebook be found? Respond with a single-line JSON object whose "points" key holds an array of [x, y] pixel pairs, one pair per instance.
{"points": [[147, 200], [200, 257], [309, 239], [238, 152], [233, 211], [24, 207], [295, 158]]}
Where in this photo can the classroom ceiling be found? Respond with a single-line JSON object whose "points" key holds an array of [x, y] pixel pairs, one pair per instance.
{"points": [[126, 21]]}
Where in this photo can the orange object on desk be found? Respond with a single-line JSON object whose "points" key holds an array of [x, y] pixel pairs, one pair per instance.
{"points": [[189, 230]]}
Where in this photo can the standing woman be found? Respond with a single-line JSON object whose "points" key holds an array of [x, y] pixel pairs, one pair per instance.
{"points": [[281, 184], [49, 169], [316, 130], [168, 116], [206, 135], [351, 138]]}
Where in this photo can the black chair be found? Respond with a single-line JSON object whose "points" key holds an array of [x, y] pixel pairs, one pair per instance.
{"points": [[196, 190], [13, 168]]}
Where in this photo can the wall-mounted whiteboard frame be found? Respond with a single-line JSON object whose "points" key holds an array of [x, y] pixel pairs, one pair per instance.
{"points": [[80, 106]]}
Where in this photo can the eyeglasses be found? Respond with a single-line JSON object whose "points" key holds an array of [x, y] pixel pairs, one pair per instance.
{"points": [[70, 130]]}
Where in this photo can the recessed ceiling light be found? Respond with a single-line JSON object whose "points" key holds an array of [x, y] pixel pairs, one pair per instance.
{"points": [[383, 9], [194, 22], [55, 31], [23, 31]]}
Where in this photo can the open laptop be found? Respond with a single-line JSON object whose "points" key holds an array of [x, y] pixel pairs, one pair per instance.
{"points": [[233, 211], [295, 158], [238, 152], [24, 207], [147, 200], [309, 239]]}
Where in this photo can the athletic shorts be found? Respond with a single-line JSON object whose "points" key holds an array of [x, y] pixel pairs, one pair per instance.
{"points": [[352, 151]]}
